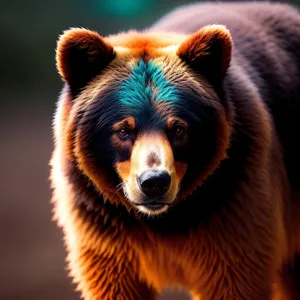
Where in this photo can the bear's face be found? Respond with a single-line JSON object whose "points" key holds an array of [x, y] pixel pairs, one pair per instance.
{"points": [[142, 118]]}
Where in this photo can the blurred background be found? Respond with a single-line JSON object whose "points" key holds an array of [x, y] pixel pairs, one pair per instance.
{"points": [[32, 262]]}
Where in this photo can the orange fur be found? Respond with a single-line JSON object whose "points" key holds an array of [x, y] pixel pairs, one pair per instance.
{"points": [[147, 44]]}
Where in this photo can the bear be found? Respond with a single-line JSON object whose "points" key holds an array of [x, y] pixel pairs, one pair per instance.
{"points": [[176, 161]]}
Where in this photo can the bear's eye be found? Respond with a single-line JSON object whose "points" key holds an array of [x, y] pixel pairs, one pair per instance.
{"points": [[123, 133], [179, 130]]}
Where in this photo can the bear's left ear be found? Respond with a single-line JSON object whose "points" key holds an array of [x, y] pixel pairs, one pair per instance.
{"points": [[208, 51], [80, 55]]}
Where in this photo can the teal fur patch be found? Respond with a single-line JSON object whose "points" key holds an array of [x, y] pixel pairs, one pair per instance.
{"points": [[147, 83]]}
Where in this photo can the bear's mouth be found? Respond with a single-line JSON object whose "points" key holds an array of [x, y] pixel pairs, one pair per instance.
{"points": [[152, 206]]}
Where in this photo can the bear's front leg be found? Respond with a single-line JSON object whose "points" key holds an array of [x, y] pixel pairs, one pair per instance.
{"points": [[243, 280], [226, 290], [239, 263], [110, 274]]}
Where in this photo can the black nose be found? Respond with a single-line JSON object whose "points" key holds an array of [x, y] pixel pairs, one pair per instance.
{"points": [[154, 183]]}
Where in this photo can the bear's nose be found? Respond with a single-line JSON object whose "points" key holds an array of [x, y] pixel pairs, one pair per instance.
{"points": [[154, 183]]}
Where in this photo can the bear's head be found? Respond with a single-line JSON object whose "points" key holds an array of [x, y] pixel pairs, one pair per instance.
{"points": [[143, 115]]}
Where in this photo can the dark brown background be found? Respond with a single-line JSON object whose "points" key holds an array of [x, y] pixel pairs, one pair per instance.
{"points": [[31, 251]]}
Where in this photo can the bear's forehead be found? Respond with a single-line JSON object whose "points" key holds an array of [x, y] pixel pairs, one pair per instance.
{"points": [[147, 84], [145, 40]]}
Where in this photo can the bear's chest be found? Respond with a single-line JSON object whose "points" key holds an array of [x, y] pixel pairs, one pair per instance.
{"points": [[170, 261]]}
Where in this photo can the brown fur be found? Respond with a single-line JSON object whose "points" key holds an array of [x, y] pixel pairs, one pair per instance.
{"points": [[197, 48], [233, 231]]}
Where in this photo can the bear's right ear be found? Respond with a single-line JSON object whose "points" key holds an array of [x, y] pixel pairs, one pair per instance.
{"points": [[80, 55], [208, 51]]}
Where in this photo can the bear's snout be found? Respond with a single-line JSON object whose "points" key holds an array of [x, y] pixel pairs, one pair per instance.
{"points": [[154, 183]]}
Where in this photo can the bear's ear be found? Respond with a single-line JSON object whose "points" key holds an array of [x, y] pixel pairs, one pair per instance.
{"points": [[80, 55], [208, 51]]}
